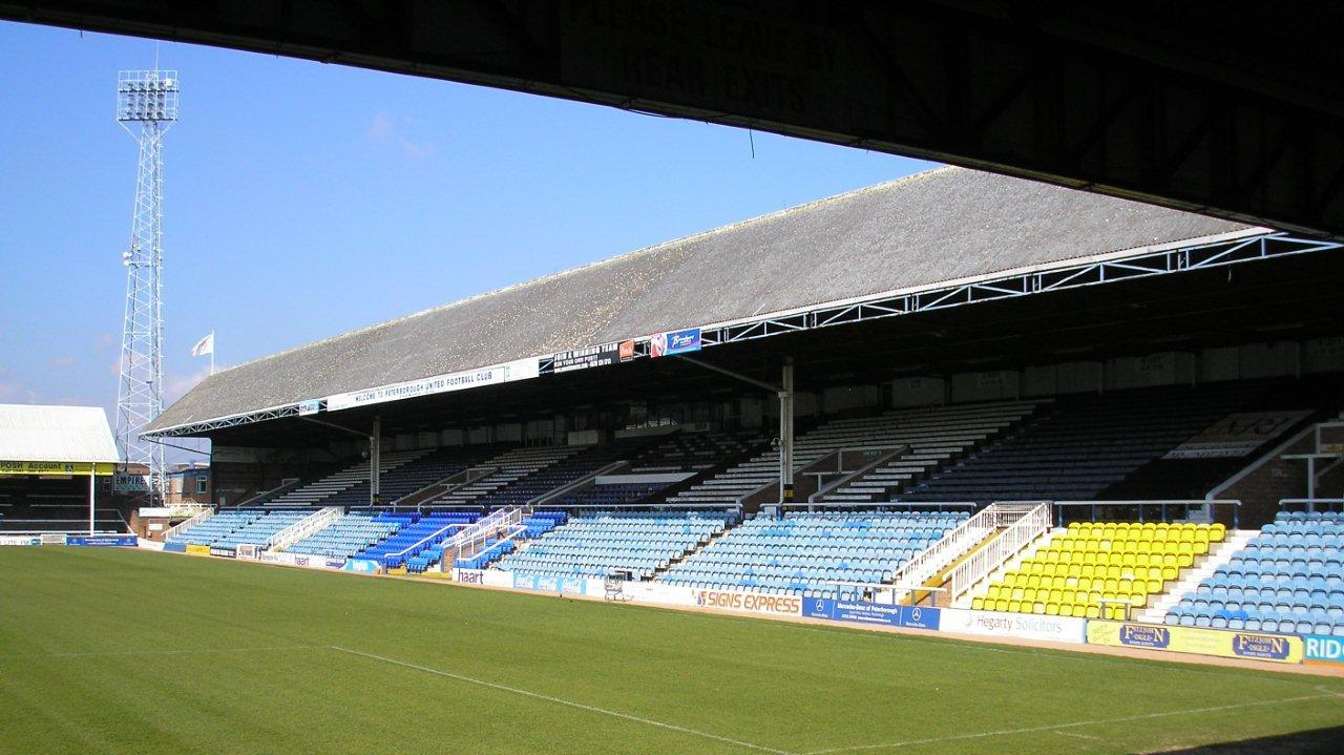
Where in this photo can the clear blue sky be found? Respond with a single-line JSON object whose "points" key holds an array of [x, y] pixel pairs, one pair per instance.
{"points": [[304, 199]]}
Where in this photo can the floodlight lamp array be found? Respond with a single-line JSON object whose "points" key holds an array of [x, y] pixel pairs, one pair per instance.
{"points": [[147, 96]]}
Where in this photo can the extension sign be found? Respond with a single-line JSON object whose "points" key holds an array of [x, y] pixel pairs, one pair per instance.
{"points": [[19, 540], [1024, 626], [1276, 648]]}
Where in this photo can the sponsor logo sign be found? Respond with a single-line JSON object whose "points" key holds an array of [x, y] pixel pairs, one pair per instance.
{"points": [[247, 551], [469, 576], [1321, 648], [1236, 435], [310, 407], [58, 468], [175, 547], [1025, 626], [102, 541], [520, 369], [626, 350], [543, 583], [19, 540], [362, 566], [222, 552], [1218, 642], [749, 602], [863, 612], [198, 550], [1139, 635], [675, 342], [582, 359]]}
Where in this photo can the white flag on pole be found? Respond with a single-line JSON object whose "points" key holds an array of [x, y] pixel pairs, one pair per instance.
{"points": [[204, 346]]}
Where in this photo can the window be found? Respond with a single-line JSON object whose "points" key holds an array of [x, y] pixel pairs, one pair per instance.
{"points": [[201, 484]]}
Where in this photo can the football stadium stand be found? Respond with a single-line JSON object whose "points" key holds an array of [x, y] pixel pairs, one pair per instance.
{"points": [[803, 553], [1085, 445], [598, 543], [408, 477], [1099, 570], [934, 437], [1289, 578], [347, 535]]}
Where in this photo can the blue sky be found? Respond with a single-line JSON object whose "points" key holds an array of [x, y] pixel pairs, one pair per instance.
{"points": [[305, 199]]}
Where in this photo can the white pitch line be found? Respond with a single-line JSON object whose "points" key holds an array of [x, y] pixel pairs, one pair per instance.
{"points": [[1071, 725], [199, 651], [562, 701]]}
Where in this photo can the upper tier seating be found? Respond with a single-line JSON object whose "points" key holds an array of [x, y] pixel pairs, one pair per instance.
{"points": [[1085, 446], [1289, 578], [610, 495], [693, 452], [407, 478], [346, 536], [318, 492], [1085, 571], [215, 527], [596, 544], [416, 535], [801, 552], [510, 467], [564, 471], [937, 435], [260, 530]]}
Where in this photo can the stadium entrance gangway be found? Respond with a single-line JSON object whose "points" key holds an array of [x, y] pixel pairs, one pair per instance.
{"points": [[1187, 504]]}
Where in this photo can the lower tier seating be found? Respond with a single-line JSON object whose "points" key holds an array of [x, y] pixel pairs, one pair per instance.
{"points": [[598, 543], [802, 552], [346, 536], [1289, 578], [1093, 570], [416, 535], [215, 527], [260, 530]]}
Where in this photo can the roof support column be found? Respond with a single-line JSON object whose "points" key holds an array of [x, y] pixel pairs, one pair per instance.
{"points": [[786, 433], [375, 461], [93, 470]]}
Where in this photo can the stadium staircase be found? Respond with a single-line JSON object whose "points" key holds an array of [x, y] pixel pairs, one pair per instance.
{"points": [[320, 490], [1191, 578], [968, 550], [310, 525]]}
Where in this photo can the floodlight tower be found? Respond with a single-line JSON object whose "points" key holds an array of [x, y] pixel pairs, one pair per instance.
{"points": [[146, 108]]}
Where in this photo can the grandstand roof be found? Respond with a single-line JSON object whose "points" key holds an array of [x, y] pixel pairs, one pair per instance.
{"points": [[32, 432], [942, 225]]}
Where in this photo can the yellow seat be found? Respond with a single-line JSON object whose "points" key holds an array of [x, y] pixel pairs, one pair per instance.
{"points": [[1217, 532], [1038, 608], [1093, 612], [977, 604], [1051, 609], [1138, 600], [1015, 606]]}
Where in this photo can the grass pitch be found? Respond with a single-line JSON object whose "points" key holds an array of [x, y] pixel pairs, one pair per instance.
{"points": [[127, 651]]}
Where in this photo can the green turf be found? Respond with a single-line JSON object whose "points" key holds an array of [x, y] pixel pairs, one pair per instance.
{"points": [[126, 651]]}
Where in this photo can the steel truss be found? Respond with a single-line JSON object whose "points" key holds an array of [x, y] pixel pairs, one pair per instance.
{"points": [[1150, 264]]}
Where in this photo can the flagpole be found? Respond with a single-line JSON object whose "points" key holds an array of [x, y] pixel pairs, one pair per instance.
{"points": [[212, 352]]}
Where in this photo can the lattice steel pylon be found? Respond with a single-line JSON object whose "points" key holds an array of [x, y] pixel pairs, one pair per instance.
{"points": [[147, 103]]}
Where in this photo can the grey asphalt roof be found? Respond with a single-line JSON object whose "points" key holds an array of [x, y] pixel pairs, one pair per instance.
{"points": [[940, 225]]}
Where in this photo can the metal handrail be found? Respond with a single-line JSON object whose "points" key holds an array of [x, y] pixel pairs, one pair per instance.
{"points": [[1018, 535], [977, 527], [1188, 503], [1309, 502], [907, 505]]}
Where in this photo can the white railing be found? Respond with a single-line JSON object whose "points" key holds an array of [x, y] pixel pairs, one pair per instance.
{"points": [[195, 520], [1028, 522], [473, 537], [927, 562], [304, 527]]}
